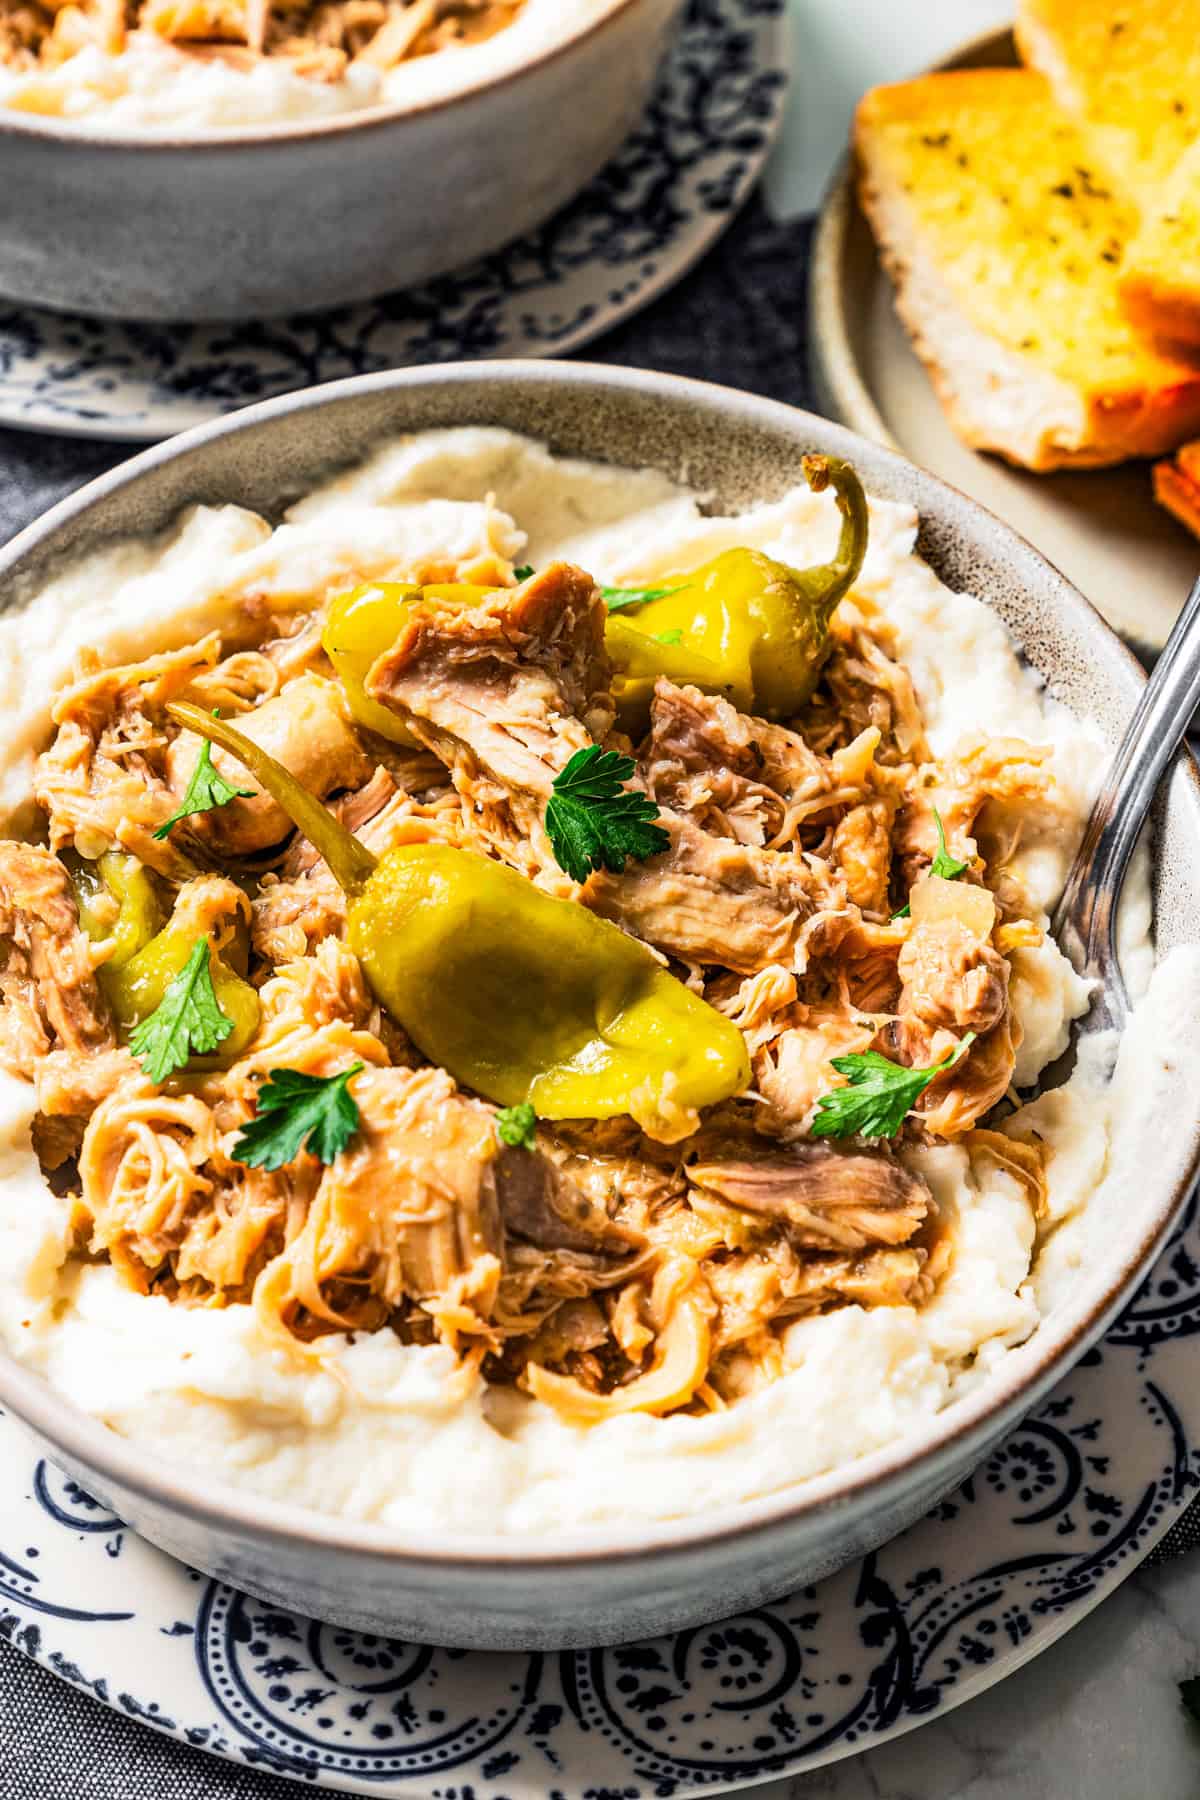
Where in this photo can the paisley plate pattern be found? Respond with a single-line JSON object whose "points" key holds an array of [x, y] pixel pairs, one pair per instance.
{"points": [[1052, 1521], [639, 226]]}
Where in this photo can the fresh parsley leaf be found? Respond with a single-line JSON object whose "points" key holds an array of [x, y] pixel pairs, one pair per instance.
{"points": [[316, 1113], [595, 823], [880, 1094], [943, 864], [187, 1021], [1189, 1693], [618, 598], [516, 1126], [523, 573], [207, 789], [670, 637]]}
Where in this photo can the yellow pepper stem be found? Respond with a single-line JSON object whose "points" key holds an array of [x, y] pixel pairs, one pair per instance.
{"points": [[351, 864], [821, 472]]}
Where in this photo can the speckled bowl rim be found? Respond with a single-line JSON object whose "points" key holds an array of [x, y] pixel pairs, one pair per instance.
{"points": [[213, 140], [833, 365], [1028, 1372]]}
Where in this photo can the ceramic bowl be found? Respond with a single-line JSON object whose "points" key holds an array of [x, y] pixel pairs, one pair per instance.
{"points": [[292, 218], [622, 1583]]}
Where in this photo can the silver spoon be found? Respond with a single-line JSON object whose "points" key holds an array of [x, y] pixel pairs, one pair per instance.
{"points": [[1086, 916]]}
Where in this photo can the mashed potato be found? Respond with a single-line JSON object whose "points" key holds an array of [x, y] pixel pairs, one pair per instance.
{"points": [[403, 1434]]}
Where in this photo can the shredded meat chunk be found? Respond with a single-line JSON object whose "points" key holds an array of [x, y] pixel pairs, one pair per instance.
{"points": [[49, 996], [779, 1285], [733, 775], [103, 782], [307, 729], [827, 1200], [505, 694], [539, 1202], [437, 1239], [713, 900], [863, 688], [69, 1089], [165, 1200], [862, 852], [952, 980]]}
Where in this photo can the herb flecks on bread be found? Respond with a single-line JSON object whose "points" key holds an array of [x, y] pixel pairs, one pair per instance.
{"points": [[1005, 239], [1128, 72]]}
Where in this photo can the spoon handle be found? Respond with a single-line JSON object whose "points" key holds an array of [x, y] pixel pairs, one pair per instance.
{"points": [[1085, 920]]}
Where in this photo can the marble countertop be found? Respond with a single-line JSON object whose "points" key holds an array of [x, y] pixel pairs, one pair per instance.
{"points": [[1095, 1717]]}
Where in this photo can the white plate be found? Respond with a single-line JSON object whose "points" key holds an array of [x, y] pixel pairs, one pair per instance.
{"points": [[1043, 1531], [639, 226], [1102, 527]]}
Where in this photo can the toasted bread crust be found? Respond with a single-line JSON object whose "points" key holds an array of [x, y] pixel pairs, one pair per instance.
{"points": [[1161, 306], [1160, 277], [1175, 489]]}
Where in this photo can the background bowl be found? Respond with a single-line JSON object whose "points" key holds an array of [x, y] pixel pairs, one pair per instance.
{"points": [[626, 1582], [288, 219]]}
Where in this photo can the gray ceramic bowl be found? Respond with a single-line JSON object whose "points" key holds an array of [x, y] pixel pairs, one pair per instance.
{"points": [[290, 218], [624, 1583]]}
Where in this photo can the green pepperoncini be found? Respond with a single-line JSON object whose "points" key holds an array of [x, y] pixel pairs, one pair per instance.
{"points": [[743, 625], [145, 954], [523, 997], [363, 624]]}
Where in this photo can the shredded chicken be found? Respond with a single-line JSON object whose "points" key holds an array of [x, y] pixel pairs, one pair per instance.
{"points": [[505, 693], [307, 729], [69, 1089], [599, 1270], [49, 995], [825, 1199], [713, 900]]}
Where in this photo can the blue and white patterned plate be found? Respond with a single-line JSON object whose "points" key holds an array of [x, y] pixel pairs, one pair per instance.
{"points": [[1047, 1527], [640, 225]]}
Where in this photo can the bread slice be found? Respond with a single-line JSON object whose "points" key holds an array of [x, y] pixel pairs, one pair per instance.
{"points": [[1004, 241], [1128, 71], [1160, 276], [1177, 486]]}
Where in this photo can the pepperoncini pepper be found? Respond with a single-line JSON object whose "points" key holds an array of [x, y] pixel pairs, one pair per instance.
{"points": [[529, 998], [145, 955], [640, 658], [364, 623], [120, 880], [743, 625], [137, 986], [519, 995]]}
